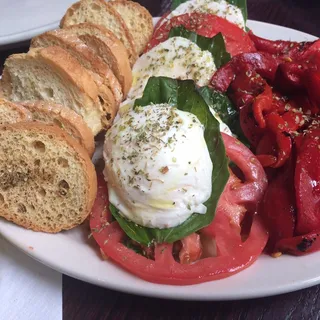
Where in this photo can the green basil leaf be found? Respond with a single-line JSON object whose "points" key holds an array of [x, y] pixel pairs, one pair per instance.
{"points": [[221, 104], [241, 4], [184, 95], [216, 45]]}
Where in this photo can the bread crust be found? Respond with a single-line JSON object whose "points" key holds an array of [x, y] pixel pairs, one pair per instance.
{"points": [[130, 45], [97, 99], [80, 131], [23, 113], [85, 56], [116, 50], [141, 35], [83, 158]]}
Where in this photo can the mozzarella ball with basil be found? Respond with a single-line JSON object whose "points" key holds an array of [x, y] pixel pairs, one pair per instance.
{"points": [[219, 8], [176, 58], [158, 166]]}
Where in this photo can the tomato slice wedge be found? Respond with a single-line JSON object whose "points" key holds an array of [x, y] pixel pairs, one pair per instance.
{"points": [[233, 256], [208, 25]]}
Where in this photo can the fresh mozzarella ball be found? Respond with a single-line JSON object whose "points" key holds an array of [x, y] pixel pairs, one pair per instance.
{"points": [[176, 58], [158, 166], [220, 8]]}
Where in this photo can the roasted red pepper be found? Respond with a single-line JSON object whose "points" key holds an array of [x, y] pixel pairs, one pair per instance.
{"points": [[278, 206], [307, 183], [277, 126], [245, 87], [287, 50], [251, 64], [312, 84], [249, 126], [300, 245], [261, 105]]}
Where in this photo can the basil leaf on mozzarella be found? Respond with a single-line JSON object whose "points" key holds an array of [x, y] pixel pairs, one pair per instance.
{"points": [[225, 110], [215, 45], [183, 95]]}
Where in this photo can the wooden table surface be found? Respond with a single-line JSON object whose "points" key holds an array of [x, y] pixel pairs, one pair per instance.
{"points": [[85, 301]]}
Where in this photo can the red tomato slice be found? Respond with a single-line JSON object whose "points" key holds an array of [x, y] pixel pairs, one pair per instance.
{"points": [[164, 268], [208, 25], [307, 183]]}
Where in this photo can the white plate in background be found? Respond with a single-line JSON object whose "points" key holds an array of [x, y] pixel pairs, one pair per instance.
{"points": [[21, 20]]}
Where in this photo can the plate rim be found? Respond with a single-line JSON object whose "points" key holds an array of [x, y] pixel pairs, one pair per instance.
{"points": [[163, 294], [25, 35]]}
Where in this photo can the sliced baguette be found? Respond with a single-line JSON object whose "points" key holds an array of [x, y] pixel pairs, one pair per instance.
{"points": [[63, 117], [108, 48], [47, 180], [138, 20], [53, 74], [11, 112], [85, 56], [102, 13]]}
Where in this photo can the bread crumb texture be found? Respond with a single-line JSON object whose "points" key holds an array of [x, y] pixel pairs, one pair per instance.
{"points": [[44, 183]]}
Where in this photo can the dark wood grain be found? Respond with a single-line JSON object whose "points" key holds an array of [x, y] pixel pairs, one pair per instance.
{"points": [[85, 301]]}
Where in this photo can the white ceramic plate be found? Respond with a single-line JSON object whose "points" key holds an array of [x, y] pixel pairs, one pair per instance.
{"points": [[23, 19], [73, 254]]}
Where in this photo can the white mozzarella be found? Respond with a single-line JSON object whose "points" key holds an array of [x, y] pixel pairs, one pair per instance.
{"points": [[158, 166], [176, 58], [220, 8]]}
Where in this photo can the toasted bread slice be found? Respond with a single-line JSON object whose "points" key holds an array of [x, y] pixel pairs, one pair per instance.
{"points": [[47, 180], [63, 117], [108, 48], [11, 112], [85, 56], [102, 13], [138, 20], [53, 74]]}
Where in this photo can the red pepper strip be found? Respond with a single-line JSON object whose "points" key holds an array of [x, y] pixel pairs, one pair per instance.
{"points": [[266, 151], [312, 83], [270, 46], [245, 87], [294, 120], [262, 103], [286, 49], [308, 106], [279, 102], [277, 126], [262, 63], [289, 77], [222, 79], [267, 145], [313, 49], [249, 126], [307, 183], [267, 160], [278, 206], [300, 245]]}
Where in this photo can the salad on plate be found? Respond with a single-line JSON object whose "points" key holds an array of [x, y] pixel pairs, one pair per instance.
{"points": [[213, 158]]}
